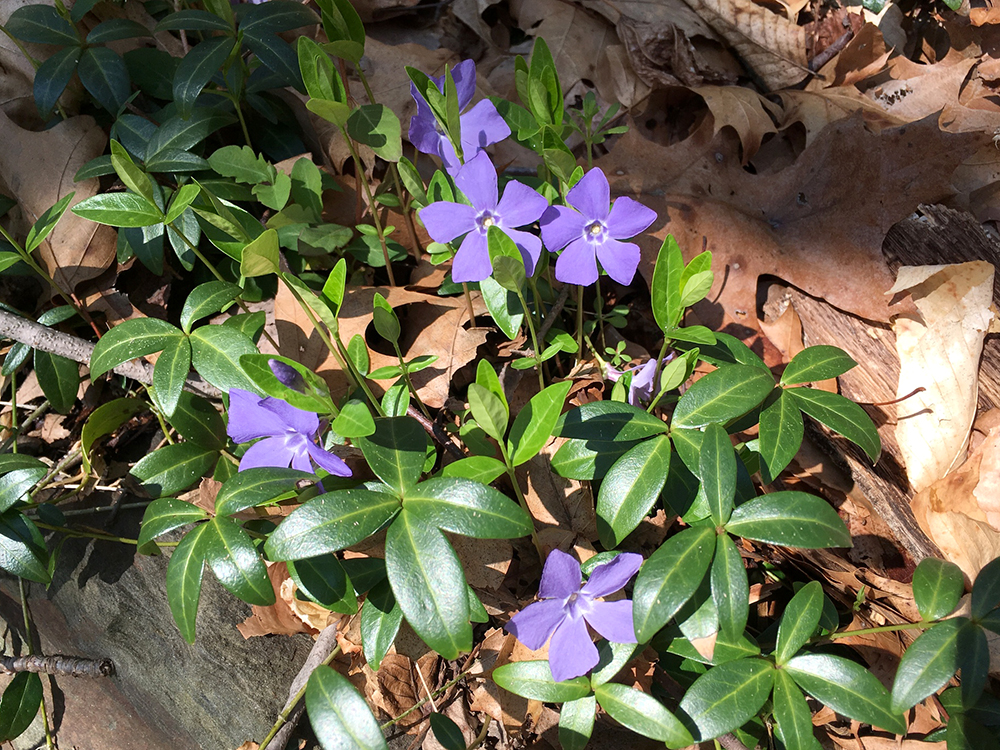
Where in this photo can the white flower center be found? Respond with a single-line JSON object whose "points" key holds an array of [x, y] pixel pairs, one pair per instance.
{"points": [[594, 231], [487, 219]]}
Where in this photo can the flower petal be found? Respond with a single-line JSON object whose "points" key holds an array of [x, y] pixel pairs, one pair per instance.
{"points": [[478, 180], [561, 576], [446, 221], [612, 576], [591, 196], [472, 261], [560, 226], [629, 218], [571, 652], [464, 75], [641, 388], [619, 259], [298, 446], [332, 463], [613, 620], [302, 422], [482, 126], [533, 625], [424, 134], [577, 264], [270, 452], [248, 420], [530, 247], [520, 205]]}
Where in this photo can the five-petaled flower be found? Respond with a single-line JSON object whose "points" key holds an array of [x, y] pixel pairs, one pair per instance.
{"points": [[640, 388], [290, 434], [481, 126], [566, 608], [519, 206], [591, 231]]}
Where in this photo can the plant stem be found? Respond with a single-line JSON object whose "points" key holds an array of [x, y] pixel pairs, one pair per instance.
{"points": [[447, 686], [534, 338], [28, 644], [42, 408], [579, 320], [359, 172], [408, 381], [872, 631], [468, 302], [522, 501]]}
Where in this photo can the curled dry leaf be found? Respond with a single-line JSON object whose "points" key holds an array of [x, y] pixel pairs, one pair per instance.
{"points": [[288, 615], [744, 110], [939, 351]]}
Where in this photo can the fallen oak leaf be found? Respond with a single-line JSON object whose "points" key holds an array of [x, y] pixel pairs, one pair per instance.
{"points": [[744, 110]]}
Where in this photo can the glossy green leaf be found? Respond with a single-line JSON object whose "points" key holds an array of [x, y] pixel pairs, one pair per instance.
{"points": [[986, 589], [340, 717], [192, 20], [730, 587], [576, 722], [105, 420], [119, 210], [197, 420], [973, 662], [59, 378], [167, 514], [964, 733], [207, 299], [669, 578], [276, 17], [504, 307], [53, 76], [22, 548], [533, 680], [14, 484], [20, 703], [642, 713], [331, 522], [184, 571], [799, 621], [129, 173], [781, 433], [488, 411], [396, 451], [179, 133], [792, 519], [722, 395], [312, 393], [795, 727], [446, 732], [588, 459], [927, 664], [482, 469], [380, 621], [666, 285], [197, 68], [609, 421], [170, 373], [377, 127], [611, 657], [131, 339], [324, 580], [534, 424], [355, 420], [41, 24], [104, 75], [257, 486], [937, 588], [115, 29], [841, 415], [462, 506], [260, 257], [386, 322], [846, 687], [344, 28], [215, 354], [236, 563], [173, 468], [631, 488], [727, 696], [817, 363], [717, 469], [429, 584]]}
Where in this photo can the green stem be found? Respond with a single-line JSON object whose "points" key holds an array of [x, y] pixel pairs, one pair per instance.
{"points": [[97, 535], [534, 338], [13, 408], [599, 305], [656, 376], [468, 302], [872, 631], [408, 381], [444, 688]]}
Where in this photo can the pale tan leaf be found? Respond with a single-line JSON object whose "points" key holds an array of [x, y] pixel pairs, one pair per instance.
{"points": [[817, 109], [744, 110]]}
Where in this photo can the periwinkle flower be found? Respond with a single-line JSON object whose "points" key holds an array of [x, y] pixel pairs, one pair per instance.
{"points": [[641, 388], [519, 206], [481, 126], [566, 608], [591, 231], [290, 434], [288, 375]]}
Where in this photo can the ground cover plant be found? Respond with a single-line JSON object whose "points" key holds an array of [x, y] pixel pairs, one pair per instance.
{"points": [[360, 461]]}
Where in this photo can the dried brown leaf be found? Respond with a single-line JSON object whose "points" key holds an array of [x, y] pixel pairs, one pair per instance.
{"points": [[744, 110]]}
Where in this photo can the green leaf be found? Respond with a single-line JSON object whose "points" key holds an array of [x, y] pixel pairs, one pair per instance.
{"points": [[482, 469], [927, 664], [339, 715], [642, 713], [611, 657], [937, 587], [104, 75], [792, 519], [192, 20], [730, 587], [344, 28], [799, 621], [973, 662], [986, 589], [207, 299], [183, 198], [115, 29], [119, 210], [717, 469], [184, 571], [576, 722], [20, 703], [396, 451], [41, 24], [964, 733], [242, 164], [14, 484], [504, 307], [386, 322], [380, 621], [840, 415], [669, 578], [331, 522], [129, 340], [257, 486], [588, 459], [429, 584], [104, 420], [170, 373], [534, 424], [722, 395], [236, 562], [134, 178], [666, 285], [197, 420], [179, 133], [846, 687], [446, 732], [377, 127], [781, 433], [22, 548], [53, 76], [173, 468], [507, 261], [321, 79], [533, 680], [59, 378], [817, 363], [315, 393], [727, 696], [167, 514], [277, 17], [795, 727], [260, 257], [355, 420], [630, 489], [324, 580], [462, 506], [609, 421], [216, 352], [197, 68]]}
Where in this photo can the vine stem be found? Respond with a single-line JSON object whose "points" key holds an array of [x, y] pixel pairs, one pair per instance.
{"points": [[522, 501], [872, 631], [27, 640], [534, 338], [447, 686]]}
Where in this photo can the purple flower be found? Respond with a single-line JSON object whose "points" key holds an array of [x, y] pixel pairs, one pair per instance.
{"points": [[590, 231], [566, 608], [287, 375], [481, 126], [520, 205], [290, 434], [641, 386]]}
